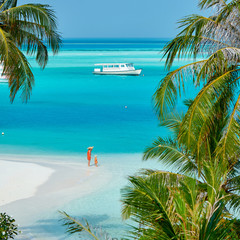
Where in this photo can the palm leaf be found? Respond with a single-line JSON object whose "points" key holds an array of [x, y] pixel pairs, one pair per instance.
{"points": [[230, 142], [201, 106], [43, 17], [75, 226], [171, 154], [172, 86], [146, 200]]}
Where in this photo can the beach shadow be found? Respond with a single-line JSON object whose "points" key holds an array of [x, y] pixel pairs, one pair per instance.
{"points": [[94, 220], [51, 227]]}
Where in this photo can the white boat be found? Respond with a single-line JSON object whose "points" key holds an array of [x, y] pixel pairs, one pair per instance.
{"points": [[116, 69]]}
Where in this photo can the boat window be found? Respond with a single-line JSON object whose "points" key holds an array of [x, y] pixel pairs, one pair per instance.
{"points": [[122, 65], [115, 66], [105, 66], [110, 66]]}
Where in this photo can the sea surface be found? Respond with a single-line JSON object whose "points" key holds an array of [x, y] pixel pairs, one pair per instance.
{"points": [[71, 109]]}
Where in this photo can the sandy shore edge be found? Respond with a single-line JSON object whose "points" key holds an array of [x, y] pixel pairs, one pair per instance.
{"points": [[20, 180], [45, 183]]}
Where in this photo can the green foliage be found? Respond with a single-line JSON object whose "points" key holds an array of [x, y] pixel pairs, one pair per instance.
{"points": [[172, 206], [195, 201], [8, 228], [216, 38], [30, 27]]}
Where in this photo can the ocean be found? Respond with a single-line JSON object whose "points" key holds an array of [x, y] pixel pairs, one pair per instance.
{"points": [[71, 109]]}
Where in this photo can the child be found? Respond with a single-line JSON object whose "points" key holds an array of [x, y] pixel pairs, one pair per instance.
{"points": [[96, 161]]}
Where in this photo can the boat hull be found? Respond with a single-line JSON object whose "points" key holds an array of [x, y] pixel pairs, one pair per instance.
{"points": [[129, 72]]}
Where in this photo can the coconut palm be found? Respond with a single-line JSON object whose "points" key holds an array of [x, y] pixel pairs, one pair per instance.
{"points": [[188, 162], [169, 206], [204, 149], [30, 27], [209, 131], [203, 189], [197, 199], [216, 39]]}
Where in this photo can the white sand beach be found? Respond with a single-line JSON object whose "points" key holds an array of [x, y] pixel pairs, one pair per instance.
{"points": [[34, 188], [21, 180]]}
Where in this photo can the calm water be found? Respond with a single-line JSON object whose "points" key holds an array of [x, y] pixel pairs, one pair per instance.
{"points": [[71, 109]]}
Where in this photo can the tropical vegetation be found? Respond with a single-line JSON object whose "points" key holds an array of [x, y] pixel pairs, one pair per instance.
{"points": [[26, 29], [196, 201], [216, 38], [29, 27], [8, 227], [200, 198]]}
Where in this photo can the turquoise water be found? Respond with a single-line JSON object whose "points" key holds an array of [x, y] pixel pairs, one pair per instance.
{"points": [[70, 108]]}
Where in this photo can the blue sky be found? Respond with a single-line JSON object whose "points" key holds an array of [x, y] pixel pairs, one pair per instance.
{"points": [[120, 18]]}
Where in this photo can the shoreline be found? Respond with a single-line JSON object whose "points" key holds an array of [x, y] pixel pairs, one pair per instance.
{"points": [[71, 186], [44, 180]]}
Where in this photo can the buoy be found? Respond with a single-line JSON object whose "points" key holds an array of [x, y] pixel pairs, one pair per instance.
{"points": [[2, 133], [125, 106]]}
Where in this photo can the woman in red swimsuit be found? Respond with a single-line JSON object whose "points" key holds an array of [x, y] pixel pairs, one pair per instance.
{"points": [[89, 155]]}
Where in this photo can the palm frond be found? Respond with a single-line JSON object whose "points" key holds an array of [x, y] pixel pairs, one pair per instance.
{"points": [[230, 142], [172, 86], [146, 199], [15, 67], [32, 27], [202, 105], [171, 154], [41, 15], [33, 45], [212, 3], [6, 4], [196, 38], [215, 226], [74, 226], [172, 122]]}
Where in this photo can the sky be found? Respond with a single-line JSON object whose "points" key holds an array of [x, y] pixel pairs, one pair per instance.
{"points": [[119, 18]]}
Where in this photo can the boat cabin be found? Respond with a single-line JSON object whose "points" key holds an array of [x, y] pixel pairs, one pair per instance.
{"points": [[113, 67]]}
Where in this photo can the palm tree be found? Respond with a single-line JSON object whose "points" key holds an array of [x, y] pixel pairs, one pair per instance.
{"points": [[202, 191], [210, 129], [216, 38], [169, 206], [195, 201], [188, 162], [30, 27]]}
